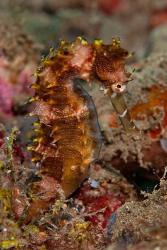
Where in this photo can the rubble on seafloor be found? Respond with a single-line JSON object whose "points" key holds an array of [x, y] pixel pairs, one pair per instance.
{"points": [[142, 225], [82, 220]]}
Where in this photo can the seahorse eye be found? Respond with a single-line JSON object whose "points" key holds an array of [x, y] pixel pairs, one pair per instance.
{"points": [[118, 88]]}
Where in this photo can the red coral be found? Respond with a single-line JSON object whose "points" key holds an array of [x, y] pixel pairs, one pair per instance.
{"points": [[101, 202]]}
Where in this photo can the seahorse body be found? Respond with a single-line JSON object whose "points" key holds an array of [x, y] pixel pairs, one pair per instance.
{"points": [[67, 136]]}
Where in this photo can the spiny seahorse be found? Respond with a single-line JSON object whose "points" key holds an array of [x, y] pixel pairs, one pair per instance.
{"points": [[67, 133]]}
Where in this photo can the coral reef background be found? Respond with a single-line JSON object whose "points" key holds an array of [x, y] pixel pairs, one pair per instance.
{"points": [[122, 205]]}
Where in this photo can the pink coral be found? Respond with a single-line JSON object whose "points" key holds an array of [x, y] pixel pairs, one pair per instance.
{"points": [[6, 94], [13, 83]]}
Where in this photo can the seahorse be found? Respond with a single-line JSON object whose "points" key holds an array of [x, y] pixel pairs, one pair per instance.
{"points": [[67, 134]]}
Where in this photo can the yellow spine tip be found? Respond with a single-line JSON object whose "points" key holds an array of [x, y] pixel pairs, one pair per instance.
{"points": [[33, 99], [38, 130], [116, 42], [48, 62], [51, 50], [98, 42], [79, 38], [30, 148], [35, 86], [36, 74], [39, 139], [34, 159], [36, 124], [50, 85], [62, 42]]}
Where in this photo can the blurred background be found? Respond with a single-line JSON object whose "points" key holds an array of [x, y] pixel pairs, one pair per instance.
{"points": [[48, 21], [29, 28]]}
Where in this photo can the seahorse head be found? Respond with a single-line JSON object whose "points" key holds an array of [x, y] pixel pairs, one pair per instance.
{"points": [[109, 65]]}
